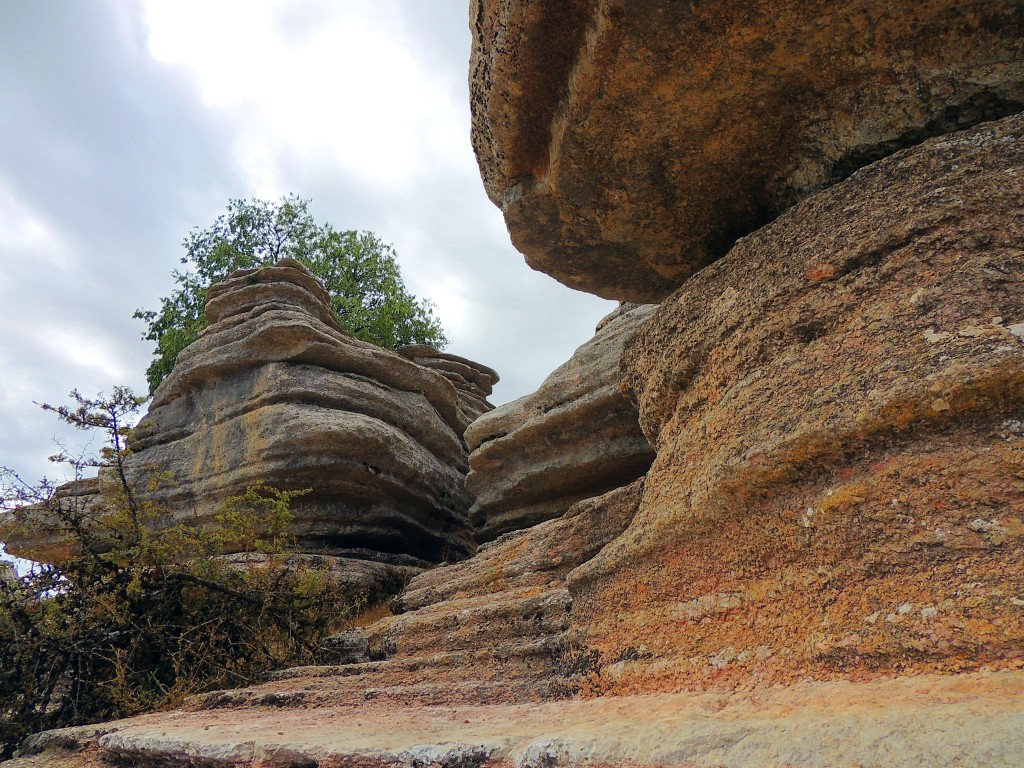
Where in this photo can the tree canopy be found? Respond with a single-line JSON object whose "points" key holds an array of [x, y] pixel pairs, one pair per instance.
{"points": [[360, 272]]}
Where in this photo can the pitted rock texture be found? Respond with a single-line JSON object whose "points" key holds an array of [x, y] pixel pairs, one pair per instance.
{"points": [[631, 142], [276, 392], [577, 436], [836, 408], [473, 381]]}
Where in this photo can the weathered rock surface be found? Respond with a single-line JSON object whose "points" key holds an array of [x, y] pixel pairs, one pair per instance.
{"points": [[836, 407], [922, 722], [36, 533], [473, 381], [489, 630], [276, 392], [630, 143], [576, 437]]}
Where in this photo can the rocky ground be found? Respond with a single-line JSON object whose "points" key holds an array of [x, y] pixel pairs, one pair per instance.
{"points": [[970, 720]]}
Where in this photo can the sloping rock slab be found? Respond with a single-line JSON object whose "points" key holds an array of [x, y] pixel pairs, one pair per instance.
{"points": [[576, 437], [925, 722], [488, 630], [631, 142], [836, 407]]}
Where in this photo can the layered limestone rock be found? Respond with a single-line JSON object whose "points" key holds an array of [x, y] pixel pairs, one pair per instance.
{"points": [[473, 381], [276, 392], [576, 437], [631, 143], [836, 407], [37, 533]]}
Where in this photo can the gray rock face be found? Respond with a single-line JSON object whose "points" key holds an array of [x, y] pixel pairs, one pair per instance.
{"points": [[576, 437], [275, 391], [474, 382]]}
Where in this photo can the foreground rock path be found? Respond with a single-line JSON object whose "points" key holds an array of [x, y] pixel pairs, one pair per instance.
{"points": [[975, 719]]}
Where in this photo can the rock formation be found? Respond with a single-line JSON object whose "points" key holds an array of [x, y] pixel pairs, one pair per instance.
{"points": [[824, 565], [836, 411], [631, 143], [473, 381], [487, 630], [576, 437], [275, 391]]}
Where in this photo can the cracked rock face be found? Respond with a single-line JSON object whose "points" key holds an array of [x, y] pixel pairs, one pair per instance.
{"points": [[631, 142], [836, 411], [576, 437]]}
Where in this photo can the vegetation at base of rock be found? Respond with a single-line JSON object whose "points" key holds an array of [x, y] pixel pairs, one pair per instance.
{"points": [[141, 612], [360, 272]]}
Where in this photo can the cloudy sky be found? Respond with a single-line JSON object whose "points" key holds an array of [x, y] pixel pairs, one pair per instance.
{"points": [[124, 123]]}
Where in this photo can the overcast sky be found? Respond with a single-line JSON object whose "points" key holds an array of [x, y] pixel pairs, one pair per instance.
{"points": [[124, 123]]}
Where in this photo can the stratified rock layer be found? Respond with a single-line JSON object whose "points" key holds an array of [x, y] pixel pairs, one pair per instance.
{"points": [[836, 407], [275, 391], [489, 630], [576, 437], [631, 142], [473, 381]]}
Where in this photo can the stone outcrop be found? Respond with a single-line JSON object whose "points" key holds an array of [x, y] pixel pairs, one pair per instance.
{"points": [[491, 629], [631, 143], [276, 392], [576, 437], [37, 533], [836, 408], [473, 381]]}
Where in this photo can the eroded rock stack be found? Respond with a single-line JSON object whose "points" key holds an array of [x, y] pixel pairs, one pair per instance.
{"points": [[276, 392], [473, 381], [576, 437]]}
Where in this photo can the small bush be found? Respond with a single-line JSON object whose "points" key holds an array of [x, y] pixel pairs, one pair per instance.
{"points": [[140, 611]]}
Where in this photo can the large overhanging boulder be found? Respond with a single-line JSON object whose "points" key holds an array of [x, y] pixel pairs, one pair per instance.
{"points": [[632, 142]]}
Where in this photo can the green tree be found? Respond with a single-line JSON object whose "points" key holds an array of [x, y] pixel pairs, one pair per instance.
{"points": [[360, 272]]}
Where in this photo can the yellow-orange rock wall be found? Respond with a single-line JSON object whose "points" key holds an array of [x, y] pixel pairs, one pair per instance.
{"points": [[836, 407]]}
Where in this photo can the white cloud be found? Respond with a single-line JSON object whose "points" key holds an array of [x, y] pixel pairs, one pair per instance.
{"points": [[25, 232], [337, 80]]}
